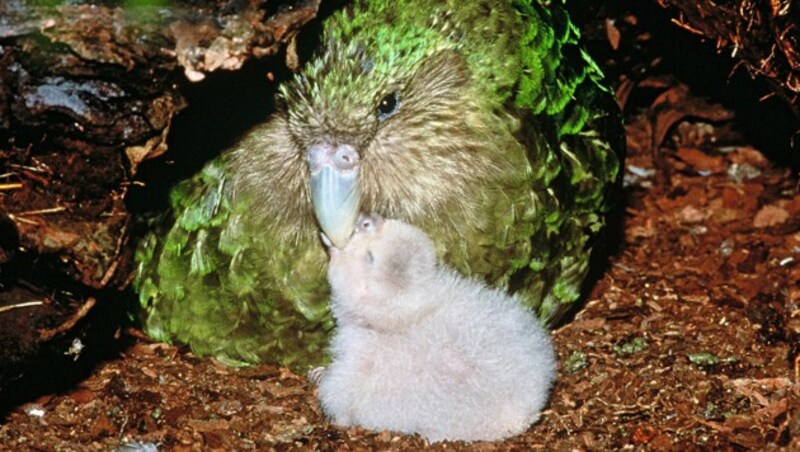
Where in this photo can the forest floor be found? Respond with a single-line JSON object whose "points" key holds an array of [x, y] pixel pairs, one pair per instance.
{"points": [[688, 340]]}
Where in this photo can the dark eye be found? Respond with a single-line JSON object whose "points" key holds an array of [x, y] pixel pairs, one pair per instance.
{"points": [[370, 257], [388, 106]]}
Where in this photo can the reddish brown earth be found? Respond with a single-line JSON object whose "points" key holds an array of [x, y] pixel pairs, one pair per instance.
{"points": [[689, 340]]}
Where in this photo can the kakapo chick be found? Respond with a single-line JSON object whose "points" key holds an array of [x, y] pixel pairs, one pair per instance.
{"points": [[421, 349]]}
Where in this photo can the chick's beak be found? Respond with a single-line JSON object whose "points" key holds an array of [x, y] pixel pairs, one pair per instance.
{"points": [[334, 189]]}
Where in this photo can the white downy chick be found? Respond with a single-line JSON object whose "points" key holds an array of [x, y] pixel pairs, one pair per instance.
{"points": [[421, 349]]}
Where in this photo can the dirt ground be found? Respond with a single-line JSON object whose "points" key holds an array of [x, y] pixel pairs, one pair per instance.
{"points": [[689, 340]]}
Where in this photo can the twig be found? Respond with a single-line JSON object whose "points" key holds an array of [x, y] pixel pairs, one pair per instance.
{"points": [[110, 272], [26, 167], [117, 250], [41, 211], [12, 186], [48, 334], [560, 419], [138, 334], [138, 183], [21, 305], [687, 27], [21, 219]]}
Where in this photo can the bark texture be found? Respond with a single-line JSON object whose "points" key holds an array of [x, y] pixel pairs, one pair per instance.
{"points": [[89, 90]]}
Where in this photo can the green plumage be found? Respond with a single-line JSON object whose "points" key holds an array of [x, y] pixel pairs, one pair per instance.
{"points": [[504, 147]]}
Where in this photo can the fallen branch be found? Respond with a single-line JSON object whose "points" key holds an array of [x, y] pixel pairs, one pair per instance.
{"points": [[45, 335]]}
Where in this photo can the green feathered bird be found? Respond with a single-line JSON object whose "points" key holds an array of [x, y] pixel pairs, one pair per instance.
{"points": [[482, 122]]}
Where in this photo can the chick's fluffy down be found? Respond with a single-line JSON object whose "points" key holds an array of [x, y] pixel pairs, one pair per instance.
{"points": [[421, 349]]}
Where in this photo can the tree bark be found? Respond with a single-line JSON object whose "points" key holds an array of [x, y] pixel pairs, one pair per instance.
{"points": [[87, 93], [89, 90]]}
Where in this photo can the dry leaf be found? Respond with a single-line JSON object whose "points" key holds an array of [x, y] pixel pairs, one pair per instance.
{"points": [[279, 391], [82, 396], [691, 214], [102, 427], [770, 216], [701, 161], [208, 425], [589, 325], [613, 34]]}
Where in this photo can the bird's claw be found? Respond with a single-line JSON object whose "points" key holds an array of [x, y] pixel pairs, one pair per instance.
{"points": [[316, 374]]}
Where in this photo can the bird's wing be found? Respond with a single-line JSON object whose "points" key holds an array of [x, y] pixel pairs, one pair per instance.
{"points": [[216, 280], [580, 147]]}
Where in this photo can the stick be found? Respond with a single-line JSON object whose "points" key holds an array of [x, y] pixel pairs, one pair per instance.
{"points": [[48, 334], [21, 305], [41, 211]]}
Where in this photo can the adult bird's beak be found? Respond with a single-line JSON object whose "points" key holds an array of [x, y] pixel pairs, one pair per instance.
{"points": [[334, 189]]}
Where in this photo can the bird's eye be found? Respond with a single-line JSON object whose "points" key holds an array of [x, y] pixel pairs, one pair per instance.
{"points": [[370, 258], [388, 106]]}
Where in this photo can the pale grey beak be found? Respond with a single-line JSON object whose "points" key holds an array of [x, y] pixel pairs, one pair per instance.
{"points": [[334, 189]]}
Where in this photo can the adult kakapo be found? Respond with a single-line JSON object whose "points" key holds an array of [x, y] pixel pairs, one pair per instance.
{"points": [[484, 123]]}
